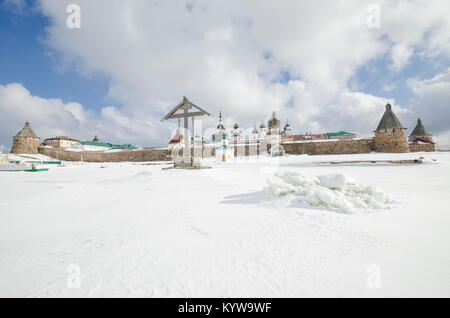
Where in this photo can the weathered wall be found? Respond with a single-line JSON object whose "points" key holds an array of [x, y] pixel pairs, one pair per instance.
{"points": [[25, 145], [253, 149], [345, 146], [93, 156], [337, 147], [391, 140], [240, 150], [422, 147], [413, 139]]}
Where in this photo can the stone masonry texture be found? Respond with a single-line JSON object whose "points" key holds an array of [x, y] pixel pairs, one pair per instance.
{"points": [[25, 145]]}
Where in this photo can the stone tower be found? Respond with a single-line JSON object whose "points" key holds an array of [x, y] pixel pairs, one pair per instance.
{"points": [[420, 133], [25, 141], [390, 135]]}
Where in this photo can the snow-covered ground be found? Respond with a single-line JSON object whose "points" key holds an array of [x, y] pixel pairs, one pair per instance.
{"points": [[130, 229]]}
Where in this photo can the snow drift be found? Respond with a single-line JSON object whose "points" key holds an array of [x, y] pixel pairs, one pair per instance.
{"points": [[337, 192]]}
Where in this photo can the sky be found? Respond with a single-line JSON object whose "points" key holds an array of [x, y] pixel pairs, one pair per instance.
{"points": [[323, 65]]}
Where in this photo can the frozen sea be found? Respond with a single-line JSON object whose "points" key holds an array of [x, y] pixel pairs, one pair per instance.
{"points": [[136, 230]]}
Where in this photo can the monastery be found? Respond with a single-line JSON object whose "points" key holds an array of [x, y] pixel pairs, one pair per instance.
{"points": [[390, 137]]}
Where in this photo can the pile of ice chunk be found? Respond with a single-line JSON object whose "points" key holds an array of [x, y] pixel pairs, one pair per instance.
{"points": [[337, 192]]}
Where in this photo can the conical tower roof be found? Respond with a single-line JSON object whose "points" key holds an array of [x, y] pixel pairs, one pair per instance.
{"points": [[389, 119], [26, 132], [420, 130]]}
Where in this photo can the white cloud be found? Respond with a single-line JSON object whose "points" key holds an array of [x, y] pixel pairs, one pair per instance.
{"points": [[53, 117], [421, 24], [213, 52], [433, 105], [228, 55], [400, 55], [442, 140]]}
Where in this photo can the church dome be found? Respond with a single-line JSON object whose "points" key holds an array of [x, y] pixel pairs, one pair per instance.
{"points": [[274, 122]]}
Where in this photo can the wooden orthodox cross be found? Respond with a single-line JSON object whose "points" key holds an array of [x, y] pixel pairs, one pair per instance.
{"points": [[182, 110]]}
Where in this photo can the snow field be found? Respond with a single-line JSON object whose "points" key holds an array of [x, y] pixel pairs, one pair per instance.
{"points": [[136, 230]]}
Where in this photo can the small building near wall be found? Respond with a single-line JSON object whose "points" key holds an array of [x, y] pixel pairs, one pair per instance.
{"points": [[340, 135], [60, 142], [177, 140], [224, 152], [91, 146], [123, 147]]}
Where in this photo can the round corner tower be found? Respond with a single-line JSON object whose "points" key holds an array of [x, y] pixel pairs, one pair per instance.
{"points": [[25, 141], [420, 133], [390, 135]]}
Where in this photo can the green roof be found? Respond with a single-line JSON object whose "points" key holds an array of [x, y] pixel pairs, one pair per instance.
{"points": [[339, 133], [107, 145], [97, 144], [128, 146], [224, 147]]}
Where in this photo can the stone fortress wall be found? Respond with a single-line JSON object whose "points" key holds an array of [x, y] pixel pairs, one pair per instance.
{"points": [[119, 156], [422, 148], [335, 147], [331, 147], [390, 137]]}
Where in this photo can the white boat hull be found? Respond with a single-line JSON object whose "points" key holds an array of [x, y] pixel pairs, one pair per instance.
{"points": [[8, 166]]}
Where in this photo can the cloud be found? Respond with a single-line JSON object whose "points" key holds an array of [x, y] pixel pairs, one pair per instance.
{"points": [[433, 104], [294, 57], [224, 55], [400, 55], [53, 117], [421, 24]]}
